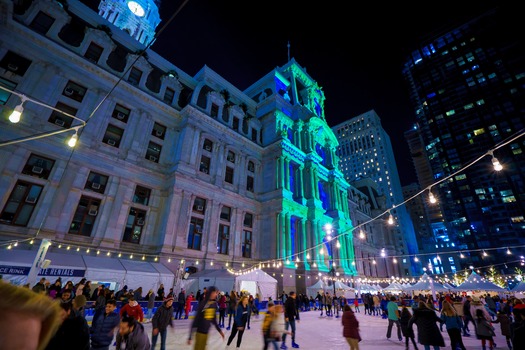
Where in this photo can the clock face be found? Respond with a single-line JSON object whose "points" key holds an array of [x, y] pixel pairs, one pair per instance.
{"points": [[136, 8]]}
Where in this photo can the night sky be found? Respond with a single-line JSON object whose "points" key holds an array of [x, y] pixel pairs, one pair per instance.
{"points": [[356, 54]]}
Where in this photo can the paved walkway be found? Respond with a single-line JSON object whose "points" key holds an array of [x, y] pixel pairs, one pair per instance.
{"points": [[316, 333]]}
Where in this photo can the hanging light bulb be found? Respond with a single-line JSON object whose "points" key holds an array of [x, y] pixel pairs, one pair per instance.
{"points": [[461, 255], [143, 257], [119, 255], [78, 249], [297, 259], [14, 117], [211, 263], [338, 245], [131, 256], [383, 253], [287, 261], [395, 261], [509, 252], [15, 244], [495, 162], [416, 259], [31, 241], [485, 253], [362, 234], [156, 259], [169, 260], [321, 251], [108, 253], [390, 219], [87, 250], [308, 256], [73, 140], [98, 252], [431, 197], [315, 265]]}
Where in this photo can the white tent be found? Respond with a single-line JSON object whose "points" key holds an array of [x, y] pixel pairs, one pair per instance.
{"points": [[475, 282], [256, 281], [426, 283], [259, 282], [316, 287], [394, 287]]}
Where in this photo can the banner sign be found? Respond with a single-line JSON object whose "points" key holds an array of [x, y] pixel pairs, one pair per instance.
{"points": [[24, 270]]}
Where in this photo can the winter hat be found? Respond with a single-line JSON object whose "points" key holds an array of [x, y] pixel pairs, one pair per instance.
{"points": [[168, 299]]}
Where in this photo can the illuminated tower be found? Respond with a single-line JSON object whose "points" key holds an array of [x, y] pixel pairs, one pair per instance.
{"points": [[139, 18]]}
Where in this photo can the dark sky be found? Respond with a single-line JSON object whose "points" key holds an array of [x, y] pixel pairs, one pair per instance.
{"points": [[355, 52]]}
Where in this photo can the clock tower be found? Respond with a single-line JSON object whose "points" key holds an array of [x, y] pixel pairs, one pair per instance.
{"points": [[139, 18]]}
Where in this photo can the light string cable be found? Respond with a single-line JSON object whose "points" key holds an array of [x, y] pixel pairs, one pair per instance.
{"points": [[78, 129], [490, 152], [42, 134]]}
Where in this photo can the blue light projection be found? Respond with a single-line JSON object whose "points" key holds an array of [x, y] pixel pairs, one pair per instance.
{"points": [[322, 195], [293, 221]]}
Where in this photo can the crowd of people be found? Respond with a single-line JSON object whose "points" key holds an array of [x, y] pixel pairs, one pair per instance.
{"points": [[60, 313]]}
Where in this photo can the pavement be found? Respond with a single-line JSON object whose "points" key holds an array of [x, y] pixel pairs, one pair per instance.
{"points": [[315, 333]]}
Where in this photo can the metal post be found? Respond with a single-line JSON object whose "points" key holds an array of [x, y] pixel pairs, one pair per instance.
{"points": [[37, 263]]}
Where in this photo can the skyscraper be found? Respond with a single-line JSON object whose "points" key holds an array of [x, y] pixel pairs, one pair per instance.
{"points": [[467, 89], [365, 151]]}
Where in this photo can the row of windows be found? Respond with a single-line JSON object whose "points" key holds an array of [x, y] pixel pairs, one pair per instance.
{"points": [[195, 232], [205, 165]]}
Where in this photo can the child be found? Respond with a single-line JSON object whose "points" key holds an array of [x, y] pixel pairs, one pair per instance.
{"points": [[356, 304], [484, 330], [504, 321], [407, 331]]}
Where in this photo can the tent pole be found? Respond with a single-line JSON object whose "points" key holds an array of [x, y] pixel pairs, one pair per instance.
{"points": [[37, 263]]}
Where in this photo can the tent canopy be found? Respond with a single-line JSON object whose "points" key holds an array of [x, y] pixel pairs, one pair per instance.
{"points": [[316, 287], [394, 287], [426, 283], [520, 287], [255, 282], [475, 282]]}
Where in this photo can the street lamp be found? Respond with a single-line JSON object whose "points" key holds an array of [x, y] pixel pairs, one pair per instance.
{"points": [[331, 260]]}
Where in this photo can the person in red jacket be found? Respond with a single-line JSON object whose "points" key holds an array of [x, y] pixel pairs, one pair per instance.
{"points": [[133, 309], [351, 328], [187, 309]]}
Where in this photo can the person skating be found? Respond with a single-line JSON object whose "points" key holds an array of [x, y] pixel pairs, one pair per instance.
{"points": [[160, 322], [392, 310], [291, 314], [105, 322], [242, 316], [205, 317], [131, 335]]}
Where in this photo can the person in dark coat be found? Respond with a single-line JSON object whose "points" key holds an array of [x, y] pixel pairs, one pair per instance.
{"points": [[205, 317], [350, 328], [504, 322], [428, 333], [105, 322], [484, 330], [131, 335], [291, 314], [160, 322], [73, 332], [242, 315], [407, 332], [517, 328]]}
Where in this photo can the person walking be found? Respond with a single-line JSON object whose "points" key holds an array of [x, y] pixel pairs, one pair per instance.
{"points": [[408, 332], [467, 316], [356, 304], [392, 310], [131, 335], [428, 333], [150, 297], [517, 327], [181, 303], [291, 314], [270, 337], [205, 317], [232, 305], [242, 315], [222, 309], [105, 322], [504, 322], [484, 330], [350, 328], [187, 309], [160, 322], [453, 324]]}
